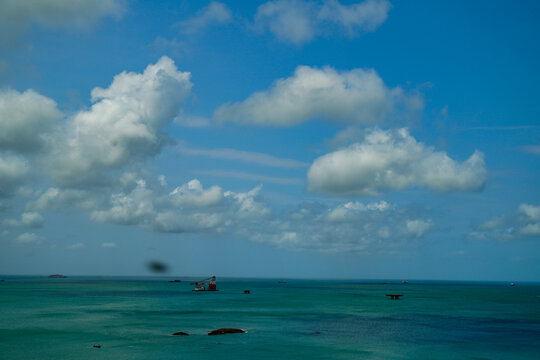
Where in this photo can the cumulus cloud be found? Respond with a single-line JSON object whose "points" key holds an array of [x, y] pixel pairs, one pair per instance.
{"points": [[292, 21], [354, 97], [27, 220], [530, 219], [418, 228], [56, 198], [353, 226], [193, 208], [216, 13], [531, 212], [393, 160], [299, 22], [16, 15], [123, 127], [187, 208], [28, 238], [366, 16], [525, 223], [213, 210], [24, 120], [13, 170], [193, 194], [133, 208]]}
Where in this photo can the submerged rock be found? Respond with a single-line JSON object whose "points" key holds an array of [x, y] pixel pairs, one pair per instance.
{"points": [[180, 333], [223, 331]]}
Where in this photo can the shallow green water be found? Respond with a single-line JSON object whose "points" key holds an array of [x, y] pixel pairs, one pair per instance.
{"points": [[45, 318]]}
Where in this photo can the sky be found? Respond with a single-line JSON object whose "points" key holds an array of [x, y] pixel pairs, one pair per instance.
{"points": [[353, 139]]}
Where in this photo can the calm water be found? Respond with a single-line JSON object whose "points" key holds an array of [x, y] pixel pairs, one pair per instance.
{"points": [[43, 318]]}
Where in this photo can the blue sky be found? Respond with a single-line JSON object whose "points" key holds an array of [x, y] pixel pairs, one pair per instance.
{"points": [[320, 139]]}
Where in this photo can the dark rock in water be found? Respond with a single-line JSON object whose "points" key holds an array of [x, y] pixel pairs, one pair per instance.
{"points": [[246, 292], [97, 346], [175, 281], [180, 333], [223, 331]]}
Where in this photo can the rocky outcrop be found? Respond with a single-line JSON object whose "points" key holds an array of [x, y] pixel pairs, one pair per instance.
{"points": [[224, 331], [180, 333]]}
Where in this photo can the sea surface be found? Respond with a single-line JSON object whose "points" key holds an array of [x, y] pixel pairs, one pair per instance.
{"points": [[132, 318]]}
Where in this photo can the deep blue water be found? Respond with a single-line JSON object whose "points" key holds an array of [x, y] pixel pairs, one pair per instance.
{"points": [[132, 318]]}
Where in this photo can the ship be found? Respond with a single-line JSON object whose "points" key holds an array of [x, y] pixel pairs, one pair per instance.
{"points": [[208, 284]]}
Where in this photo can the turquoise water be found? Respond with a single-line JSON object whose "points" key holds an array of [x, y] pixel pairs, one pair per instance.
{"points": [[131, 318]]}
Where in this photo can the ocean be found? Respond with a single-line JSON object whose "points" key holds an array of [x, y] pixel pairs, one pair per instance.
{"points": [[132, 318]]}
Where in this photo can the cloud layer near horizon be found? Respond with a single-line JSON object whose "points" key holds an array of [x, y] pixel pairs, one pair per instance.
{"points": [[191, 208]]}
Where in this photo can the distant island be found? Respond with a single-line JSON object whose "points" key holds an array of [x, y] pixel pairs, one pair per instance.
{"points": [[57, 276]]}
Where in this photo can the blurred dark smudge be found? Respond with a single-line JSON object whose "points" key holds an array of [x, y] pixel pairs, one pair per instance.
{"points": [[158, 266]]}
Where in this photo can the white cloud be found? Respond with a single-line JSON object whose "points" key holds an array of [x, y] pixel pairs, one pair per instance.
{"points": [[393, 160], [193, 194], [355, 97], [28, 238], [351, 209], [16, 15], [418, 228], [212, 210], [108, 245], [24, 118], [532, 149], [192, 208], [123, 127], [56, 198], [293, 21], [134, 208], [531, 212], [216, 13], [76, 246], [28, 220], [526, 223], [531, 229], [244, 156], [531, 219], [351, 227], [492, 224], [13, 170], [299, 22], [188, 208], [366, 16]]}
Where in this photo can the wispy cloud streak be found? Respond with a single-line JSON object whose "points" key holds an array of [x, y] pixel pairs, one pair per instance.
{"points": [[244, 156], [250, 176]]}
